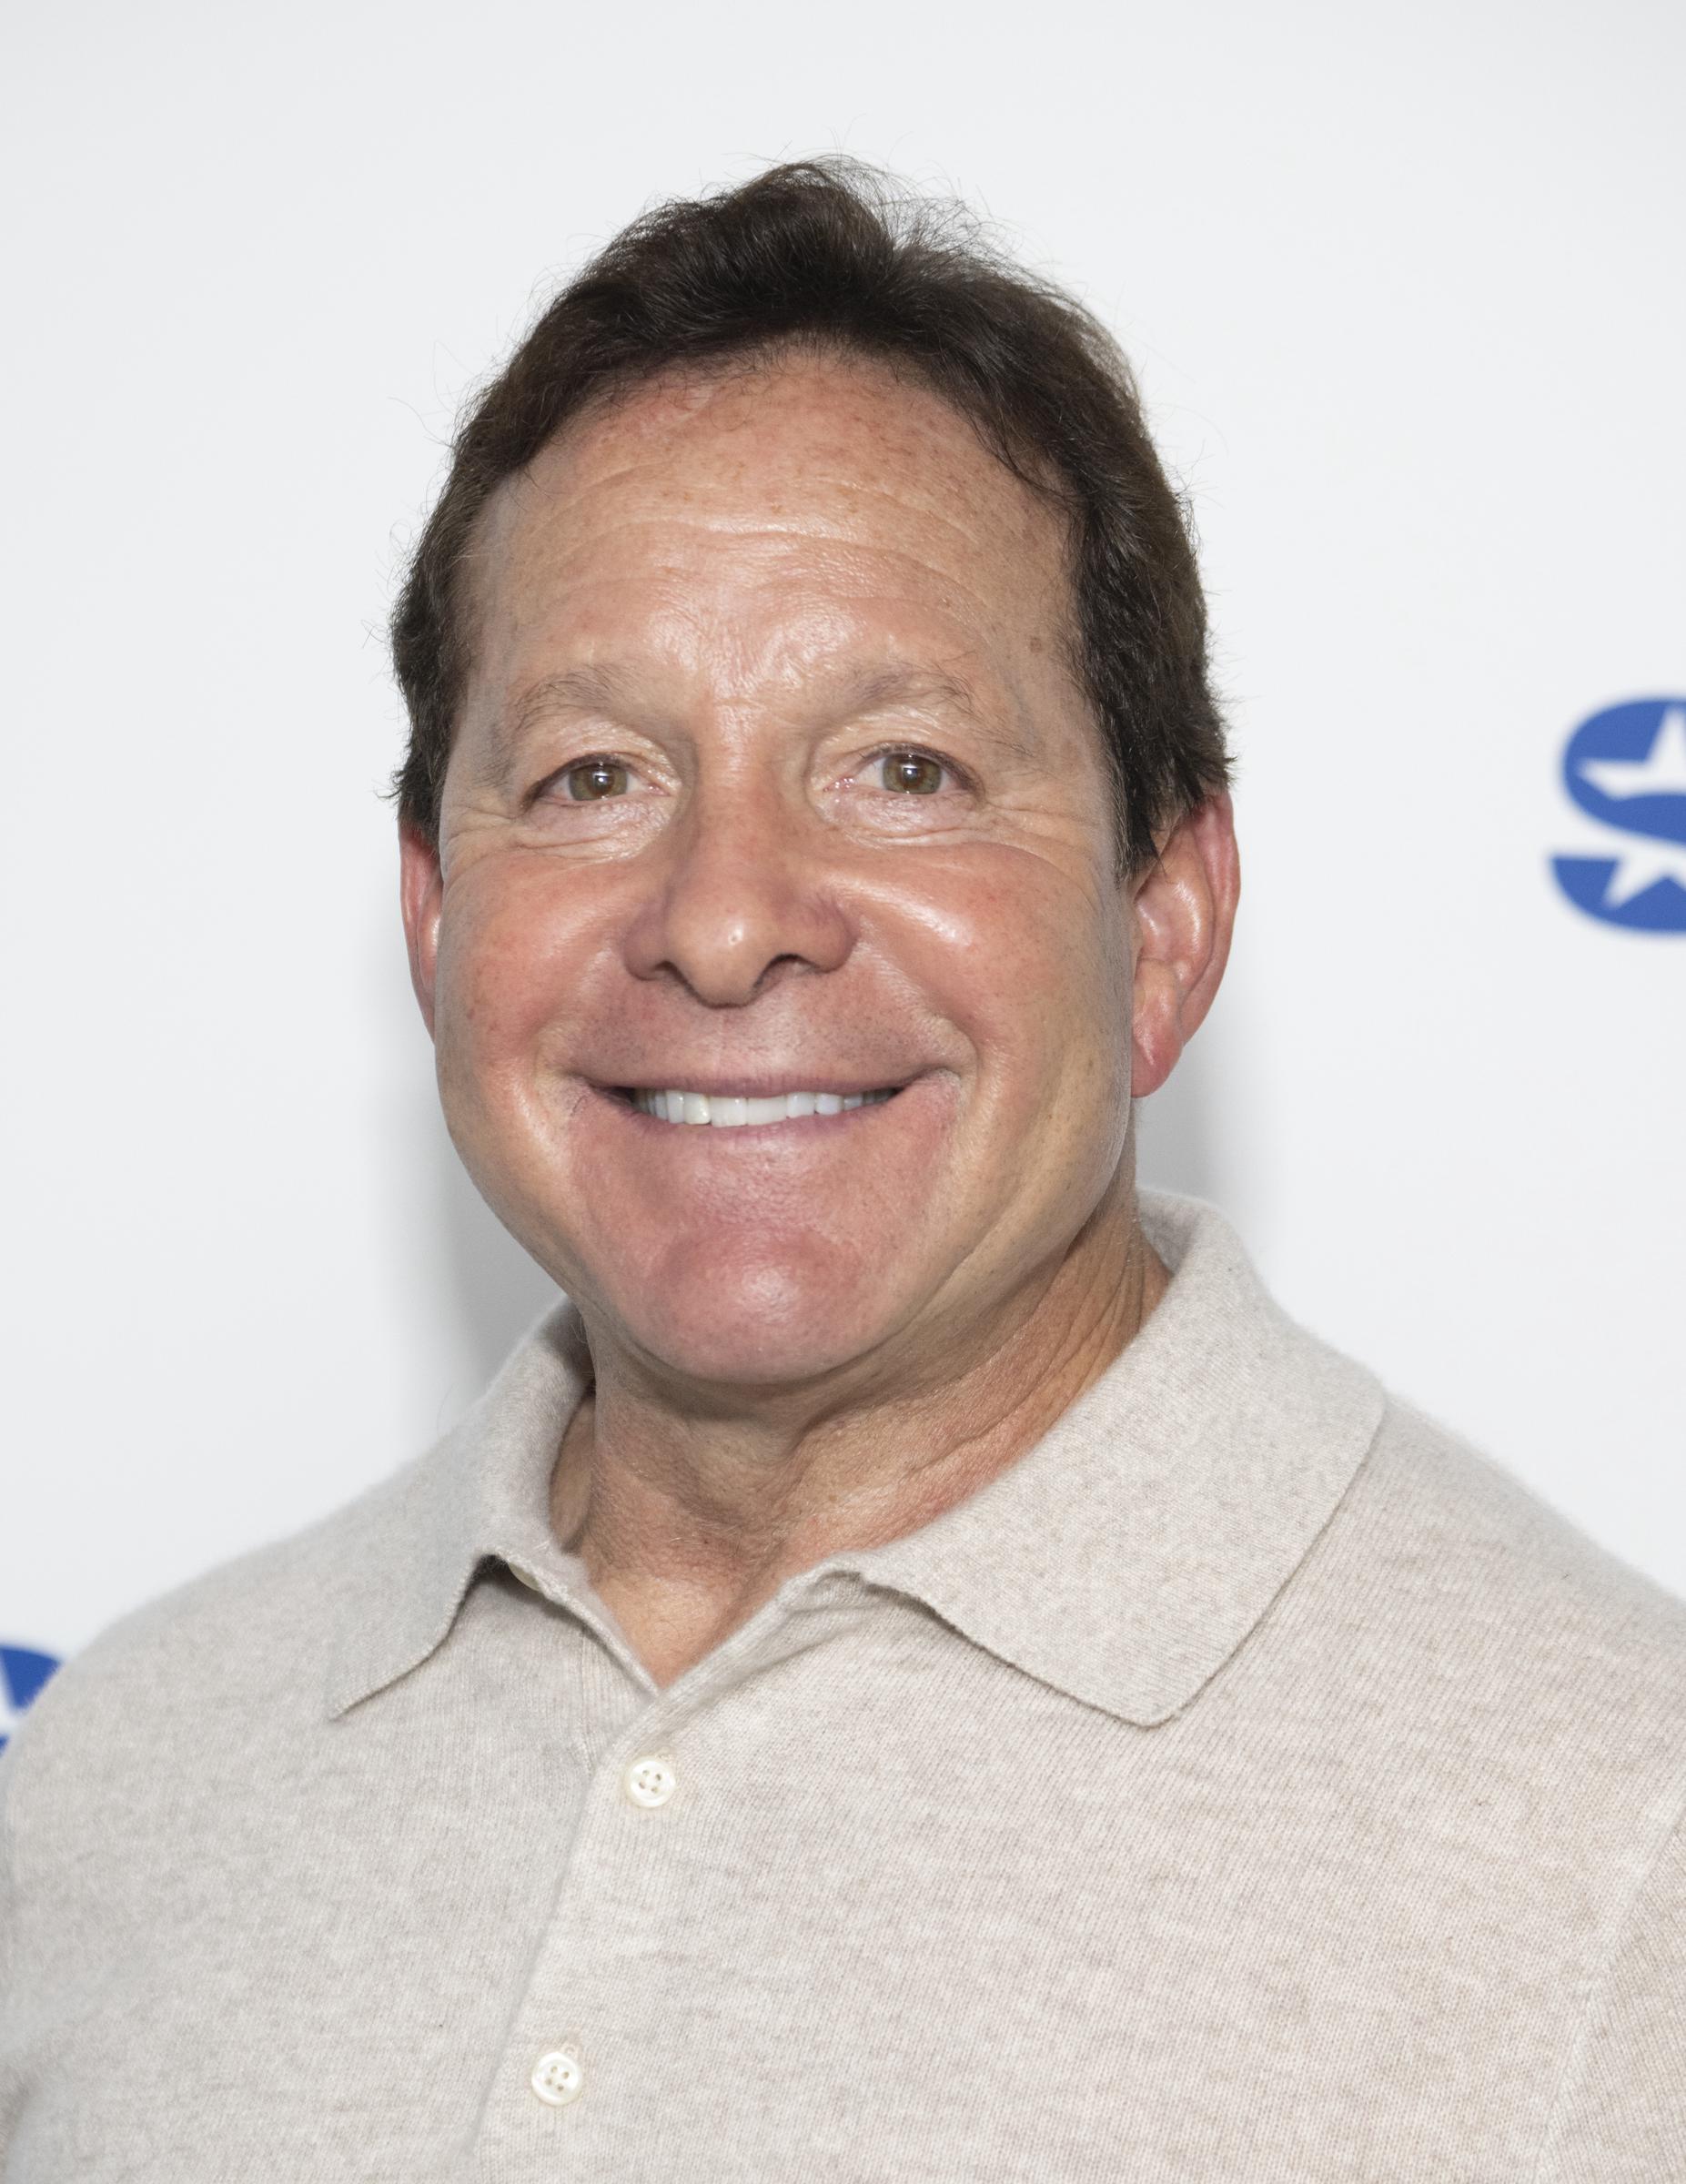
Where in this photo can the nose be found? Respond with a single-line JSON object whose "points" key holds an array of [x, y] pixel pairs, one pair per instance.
{"points": [[740, 895]]}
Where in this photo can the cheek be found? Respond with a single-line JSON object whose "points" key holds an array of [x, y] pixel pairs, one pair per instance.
{"points": [[1036, 973], [510, 949]]}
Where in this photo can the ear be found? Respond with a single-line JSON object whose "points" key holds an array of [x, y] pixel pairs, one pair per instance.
{"points": [[421, 889], [1183, 912]]}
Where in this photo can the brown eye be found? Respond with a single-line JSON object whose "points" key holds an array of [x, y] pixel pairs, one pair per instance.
{"points": [[593, 778], [912, 772]]}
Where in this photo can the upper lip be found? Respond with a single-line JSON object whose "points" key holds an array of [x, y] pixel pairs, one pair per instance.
{"points": [[762, 1087]]}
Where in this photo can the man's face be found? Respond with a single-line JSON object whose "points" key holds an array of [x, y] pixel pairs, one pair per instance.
{"points": [[771, 778]]}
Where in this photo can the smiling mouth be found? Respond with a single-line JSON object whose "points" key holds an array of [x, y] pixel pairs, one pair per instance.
{"points": [[726, 1111]]}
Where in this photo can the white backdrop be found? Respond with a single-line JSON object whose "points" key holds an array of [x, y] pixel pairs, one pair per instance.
{"points": [[1404, 287]]}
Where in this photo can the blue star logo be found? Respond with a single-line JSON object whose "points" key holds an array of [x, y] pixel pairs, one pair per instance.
{"points": [[22, 1674], [1626, 768]]}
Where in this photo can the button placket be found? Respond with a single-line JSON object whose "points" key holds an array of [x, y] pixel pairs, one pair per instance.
{"points": [[631, 1788], [554, 2075]]}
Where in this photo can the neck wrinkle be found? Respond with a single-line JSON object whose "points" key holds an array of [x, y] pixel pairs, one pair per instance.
{"points": [[658, 1522]]}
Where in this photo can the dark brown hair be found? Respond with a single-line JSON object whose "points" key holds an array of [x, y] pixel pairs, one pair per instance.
{"points": [[829, 254]]}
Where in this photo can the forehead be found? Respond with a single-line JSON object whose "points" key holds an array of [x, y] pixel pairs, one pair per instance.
{"points": [[801, 490]]}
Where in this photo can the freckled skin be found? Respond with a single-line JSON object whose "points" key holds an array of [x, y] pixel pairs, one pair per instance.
{"points": [[737, 595]]}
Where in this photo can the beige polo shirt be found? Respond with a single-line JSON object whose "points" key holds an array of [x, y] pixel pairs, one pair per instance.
{"points": [[1251, 1784]]}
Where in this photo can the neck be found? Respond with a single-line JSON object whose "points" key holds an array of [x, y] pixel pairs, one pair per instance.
{"points": [[689, 1516]]}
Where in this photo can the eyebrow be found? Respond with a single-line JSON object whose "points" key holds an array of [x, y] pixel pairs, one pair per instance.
{"points": [[912, 685], [602, 687], [886, 686], [591, 689]]}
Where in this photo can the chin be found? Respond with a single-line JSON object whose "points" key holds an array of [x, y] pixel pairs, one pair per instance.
{"points": [[764, 1326]]}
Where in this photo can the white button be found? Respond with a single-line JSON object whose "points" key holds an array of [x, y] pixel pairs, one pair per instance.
{"points": [[649, 1780], [557, 2077]]}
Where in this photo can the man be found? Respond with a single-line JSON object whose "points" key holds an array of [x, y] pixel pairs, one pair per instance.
{"points": [[917, 1669]]}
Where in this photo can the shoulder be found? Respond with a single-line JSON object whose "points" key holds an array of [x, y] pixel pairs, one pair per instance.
{"points": [[244, 1651], [1457, 1527], [1504, 1624], [1532, 1689]]}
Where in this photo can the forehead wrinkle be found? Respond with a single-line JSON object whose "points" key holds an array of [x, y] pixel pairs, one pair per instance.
{"points": [[793, 444], [866, 516], [843, 555], [770, 611], [821, 624]]}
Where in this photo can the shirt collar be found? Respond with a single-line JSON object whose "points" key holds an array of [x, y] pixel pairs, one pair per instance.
{"points": [[1126, 1556], [1122, 1559], [482, 1494]]}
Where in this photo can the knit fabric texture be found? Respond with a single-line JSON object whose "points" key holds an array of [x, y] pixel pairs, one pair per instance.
{"points": [[1251, 1783]]}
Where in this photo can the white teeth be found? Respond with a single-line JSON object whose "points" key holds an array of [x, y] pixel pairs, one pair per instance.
{"points": [[728, 1111]]}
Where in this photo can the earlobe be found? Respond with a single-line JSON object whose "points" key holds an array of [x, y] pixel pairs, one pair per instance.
{"points": [[420, 894], [1184, 910]]}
